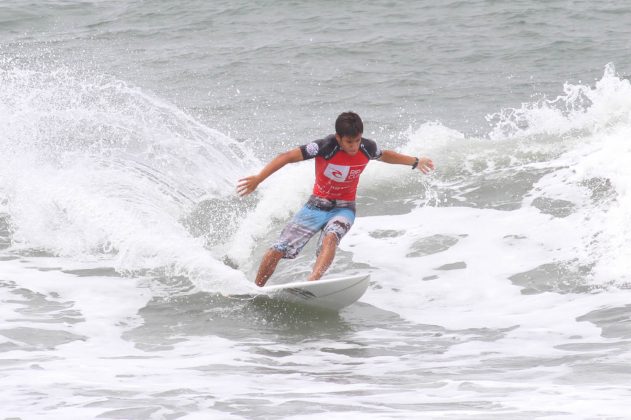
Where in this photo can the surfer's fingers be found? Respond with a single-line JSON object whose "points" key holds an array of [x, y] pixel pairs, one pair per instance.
{"points": [[246, 186], [243, 191], [425, 165], [242, 188]]}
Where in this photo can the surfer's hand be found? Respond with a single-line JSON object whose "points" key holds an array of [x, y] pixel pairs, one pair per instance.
{"points": [[247, 185], [425, 165]]}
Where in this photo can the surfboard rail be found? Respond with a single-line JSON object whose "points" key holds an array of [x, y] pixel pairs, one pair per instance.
{"points": [[331, 293]]}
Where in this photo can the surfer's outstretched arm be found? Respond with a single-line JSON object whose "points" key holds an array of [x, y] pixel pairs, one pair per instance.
{"points": [[248, 184], [422, 163]]}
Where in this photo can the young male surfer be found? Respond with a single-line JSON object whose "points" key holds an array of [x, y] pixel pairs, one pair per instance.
{"points": [[340, 159]]}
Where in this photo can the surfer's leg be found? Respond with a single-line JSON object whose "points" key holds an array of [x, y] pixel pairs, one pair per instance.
{"points": [[340, 223], [325, 256], [268, 265], [293, 238], [306, 223]]}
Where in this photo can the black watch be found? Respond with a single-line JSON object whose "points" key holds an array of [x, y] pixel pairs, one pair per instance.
{"points": [[415, 163]]}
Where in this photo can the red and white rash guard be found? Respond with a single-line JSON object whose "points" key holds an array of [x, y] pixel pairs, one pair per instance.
{"points": [[337, 172]]}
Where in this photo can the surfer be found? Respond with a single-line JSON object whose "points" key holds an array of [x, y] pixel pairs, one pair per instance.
{"points": [[340, 159]]}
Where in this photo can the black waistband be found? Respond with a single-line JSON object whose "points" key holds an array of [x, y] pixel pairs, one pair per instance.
{"points": [[326, 204]]}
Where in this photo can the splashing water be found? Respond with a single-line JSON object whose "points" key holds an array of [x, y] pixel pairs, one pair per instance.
{"points": [[96, 169]]}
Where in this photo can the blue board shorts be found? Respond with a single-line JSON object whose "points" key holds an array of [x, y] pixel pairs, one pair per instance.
{"points": [[319, 214]]}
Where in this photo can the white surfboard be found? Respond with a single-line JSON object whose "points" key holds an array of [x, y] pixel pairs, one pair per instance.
{"points": [[333, 294]]}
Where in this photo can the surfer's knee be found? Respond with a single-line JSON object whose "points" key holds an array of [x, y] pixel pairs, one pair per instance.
{"points": [[275, 253], [328, 243], [331, 239], [268, 265], [273, 256]]}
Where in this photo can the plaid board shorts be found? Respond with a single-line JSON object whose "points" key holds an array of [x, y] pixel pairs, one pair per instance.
{"points": [[319, 214]]}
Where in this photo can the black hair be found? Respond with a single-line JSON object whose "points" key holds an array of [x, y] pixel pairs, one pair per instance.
{"points": [[349, 124]]}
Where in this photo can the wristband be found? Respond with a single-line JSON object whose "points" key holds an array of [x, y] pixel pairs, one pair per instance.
{"points": [[415, 163]]}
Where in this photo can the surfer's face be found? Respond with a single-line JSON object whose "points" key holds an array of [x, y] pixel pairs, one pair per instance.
{"points": [[349, 144]]}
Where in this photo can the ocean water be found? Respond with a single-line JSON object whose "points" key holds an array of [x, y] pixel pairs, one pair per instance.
{"points": [[500, 283]]}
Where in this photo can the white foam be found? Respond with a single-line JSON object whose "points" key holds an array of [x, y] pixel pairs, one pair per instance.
{"points": [[98, 169], [82, 372], [581, 107]]}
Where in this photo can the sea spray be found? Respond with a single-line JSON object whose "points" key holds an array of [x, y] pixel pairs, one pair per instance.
{"points": [[99, 169]]}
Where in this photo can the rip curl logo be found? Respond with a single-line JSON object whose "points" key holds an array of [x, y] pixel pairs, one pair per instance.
{"points": [[355, 173], [336, 172]]}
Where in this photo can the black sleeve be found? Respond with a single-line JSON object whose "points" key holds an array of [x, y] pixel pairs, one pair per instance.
{"points": [[370, 149], [325, 147]]}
